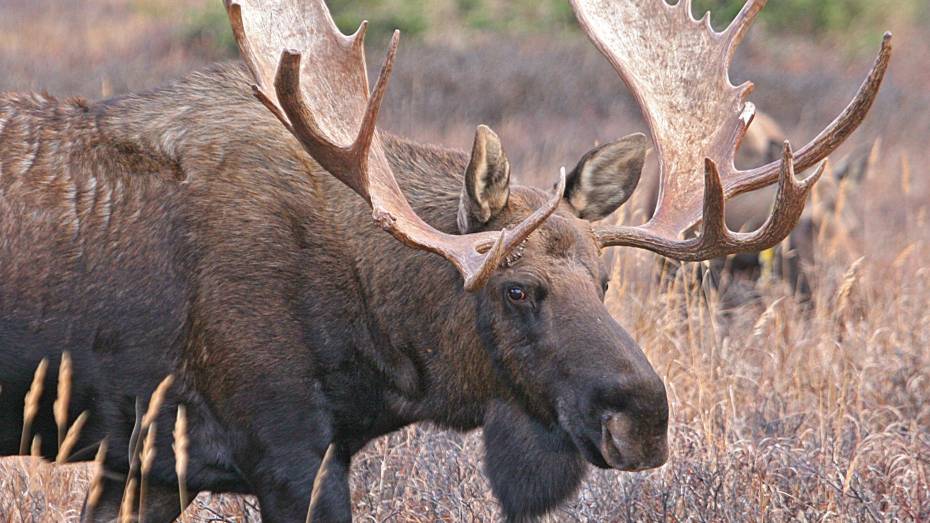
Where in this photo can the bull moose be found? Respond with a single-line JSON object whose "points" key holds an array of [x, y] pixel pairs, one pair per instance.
{"points": [[219, 230]]}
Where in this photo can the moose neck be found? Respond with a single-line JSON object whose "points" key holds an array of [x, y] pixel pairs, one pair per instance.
{"points": [[421, 323], [429, 320]]}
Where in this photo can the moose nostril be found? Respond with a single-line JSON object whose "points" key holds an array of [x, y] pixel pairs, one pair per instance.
{"points": [[630, 444], [618, 425]]}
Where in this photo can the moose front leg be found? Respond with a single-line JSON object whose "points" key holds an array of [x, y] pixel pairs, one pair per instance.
{"points": [[162, 506], [281, 461], [283, 436], [328, 499]]}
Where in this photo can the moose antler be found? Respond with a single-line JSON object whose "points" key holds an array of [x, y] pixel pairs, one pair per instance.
{"points": [[326, 105], [677, 67]]}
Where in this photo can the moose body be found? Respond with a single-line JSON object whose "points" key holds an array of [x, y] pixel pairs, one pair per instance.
{"points": [[186, 232]]}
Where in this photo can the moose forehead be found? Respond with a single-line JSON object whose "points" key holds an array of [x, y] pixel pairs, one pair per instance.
{"points": [[563, 236]]}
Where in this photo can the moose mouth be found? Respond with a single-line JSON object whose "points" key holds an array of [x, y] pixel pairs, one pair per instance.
{"points": [[620, 444]]}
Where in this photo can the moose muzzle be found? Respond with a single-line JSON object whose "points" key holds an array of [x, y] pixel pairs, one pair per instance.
{"points": [[626, 446]]}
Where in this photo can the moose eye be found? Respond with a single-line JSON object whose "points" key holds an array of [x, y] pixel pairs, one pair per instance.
{"points": [[515, 293]]}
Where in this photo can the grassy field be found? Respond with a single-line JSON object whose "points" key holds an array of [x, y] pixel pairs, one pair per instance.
{"points": [[781, 411]]}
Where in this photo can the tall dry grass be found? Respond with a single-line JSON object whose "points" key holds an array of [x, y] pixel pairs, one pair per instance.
{"points": [[781, 410]]}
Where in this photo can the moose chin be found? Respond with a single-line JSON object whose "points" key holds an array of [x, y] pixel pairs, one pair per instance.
{"points": [[311, 283]]}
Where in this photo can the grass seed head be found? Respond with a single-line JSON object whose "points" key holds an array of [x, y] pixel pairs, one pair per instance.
{"points": [[71, 439], [155, 402]]}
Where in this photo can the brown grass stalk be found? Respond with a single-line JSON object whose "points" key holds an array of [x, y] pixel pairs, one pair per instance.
{"points": [[844, 294], [181, 456], [63, 398], [156, 400], [148, 459], [128, 502], [140, 436], [96, 484], [31, 404], [35, 450], [71, 439]]}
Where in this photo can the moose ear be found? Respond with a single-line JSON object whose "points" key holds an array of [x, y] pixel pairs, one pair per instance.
{"points": [[487, 182], [606, 177]]}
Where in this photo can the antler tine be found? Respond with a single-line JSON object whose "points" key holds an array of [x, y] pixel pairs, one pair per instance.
{"points": [[714, 227], [366, 133], [789, 205], [698, 118], [299, 117], [739, 27], [321, 106], [349, 163], [687, 9], [832, 136]]}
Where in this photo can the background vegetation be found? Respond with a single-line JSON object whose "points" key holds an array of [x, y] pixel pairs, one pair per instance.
{"points": [[781, 411], [851, 22]]}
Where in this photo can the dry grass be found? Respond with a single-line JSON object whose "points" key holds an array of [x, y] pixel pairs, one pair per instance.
{"points": [[781, 411]]}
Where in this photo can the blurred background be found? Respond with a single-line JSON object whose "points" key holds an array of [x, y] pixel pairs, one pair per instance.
{"points": [[783, 409], [518, 65]]}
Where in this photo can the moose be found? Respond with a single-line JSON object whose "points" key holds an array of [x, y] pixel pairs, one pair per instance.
{"points": [[219, 230]]}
